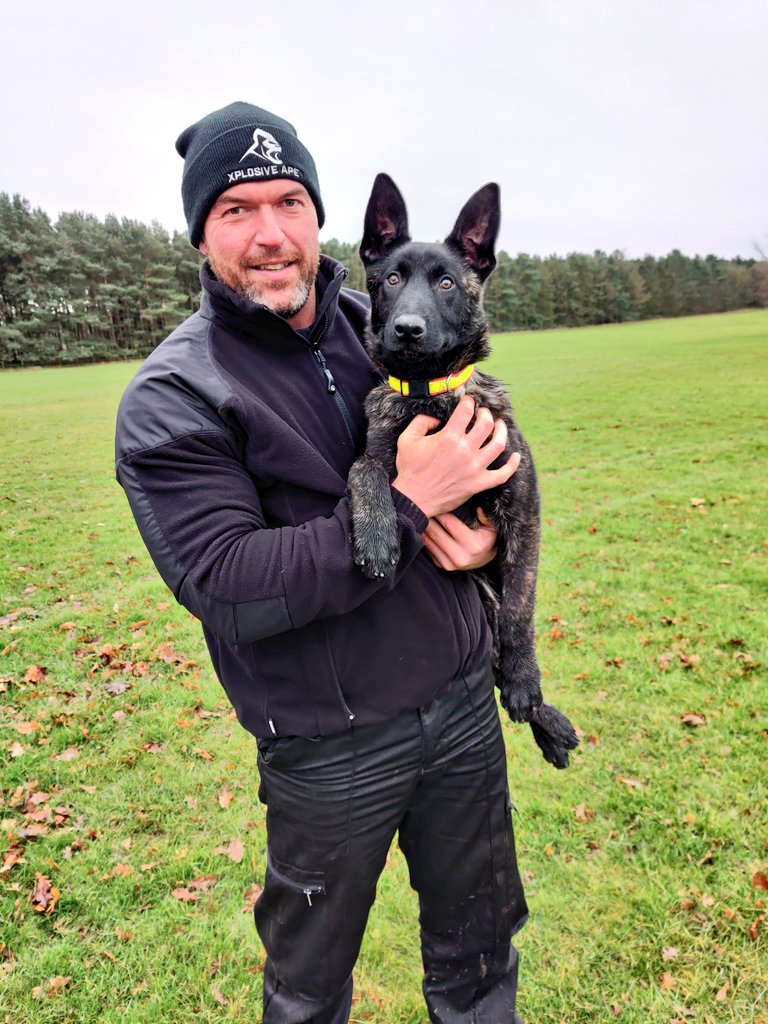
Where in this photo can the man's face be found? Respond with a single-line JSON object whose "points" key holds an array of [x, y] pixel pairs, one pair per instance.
{"points": [[261, 240]]}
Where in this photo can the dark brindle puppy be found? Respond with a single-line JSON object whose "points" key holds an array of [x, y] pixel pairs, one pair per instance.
{"points": [[427, 330]]}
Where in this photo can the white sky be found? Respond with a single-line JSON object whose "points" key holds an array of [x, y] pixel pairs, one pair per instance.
{"points": [[621, 124]]}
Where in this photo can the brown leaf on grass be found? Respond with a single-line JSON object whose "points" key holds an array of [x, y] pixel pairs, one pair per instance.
{"points": [[204, 754], [153, 748], [67, 755], [225, 799], [184, 895], [632, 784], [36, 674], [204, 882], [16, 749], [27, 728], [754, 928], [614, 662], [55, 987], [731, 915], [697, 502], [218, 996], [667, 981], [116, 687], [583, 813], [11, 857], [723, 992], [235, 850], [759, 880], [44, 896], [692, 719], [669, 953], [252, 894]]}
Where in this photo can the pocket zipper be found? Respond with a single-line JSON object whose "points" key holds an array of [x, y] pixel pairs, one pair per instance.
{"points": [[308, 890]]}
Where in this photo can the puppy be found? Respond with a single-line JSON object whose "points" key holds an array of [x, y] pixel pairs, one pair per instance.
{"points": [[427, 330]]}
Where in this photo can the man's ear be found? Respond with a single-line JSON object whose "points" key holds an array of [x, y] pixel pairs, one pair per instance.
{"points": [[203, 247], [474, 233], [386, 221]]}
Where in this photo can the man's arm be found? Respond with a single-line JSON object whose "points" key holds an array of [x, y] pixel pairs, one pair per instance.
{"points": [[199, 513]]}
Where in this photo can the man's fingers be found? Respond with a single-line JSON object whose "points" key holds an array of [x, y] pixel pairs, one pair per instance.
{"points": [[461, 416], [421, 425], [506, 472]]}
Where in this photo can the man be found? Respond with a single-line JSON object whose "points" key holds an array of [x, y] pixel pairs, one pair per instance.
{"points": [[371, 701]]}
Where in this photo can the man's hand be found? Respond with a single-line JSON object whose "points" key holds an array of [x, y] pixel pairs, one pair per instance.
{"points": [[439, 472], [454, 545]]}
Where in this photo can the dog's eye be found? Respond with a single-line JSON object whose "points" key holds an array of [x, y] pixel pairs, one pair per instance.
{"points": [[393, 278], [446, 282]]}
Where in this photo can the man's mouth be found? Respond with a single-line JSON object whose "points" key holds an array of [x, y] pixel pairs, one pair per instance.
{"points": [[271, 266]]}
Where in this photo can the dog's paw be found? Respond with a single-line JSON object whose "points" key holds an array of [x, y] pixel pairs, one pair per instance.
{"points": [[520, 698], [554, 734], [376, 549]]}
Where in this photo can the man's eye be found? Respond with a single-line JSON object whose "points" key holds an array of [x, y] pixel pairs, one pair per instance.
{"points": [[290, 202], [393, 278], [233, 210], [446, 282]]}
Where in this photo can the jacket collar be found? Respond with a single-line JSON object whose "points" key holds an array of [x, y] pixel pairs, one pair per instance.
{"points": [[219, 302]]}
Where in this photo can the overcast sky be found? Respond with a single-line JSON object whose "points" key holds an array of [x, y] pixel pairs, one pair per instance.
{"points": [[621, 124]]}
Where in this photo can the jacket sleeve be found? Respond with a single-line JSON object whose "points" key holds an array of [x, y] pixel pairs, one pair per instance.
{"points": [[199, 513]]}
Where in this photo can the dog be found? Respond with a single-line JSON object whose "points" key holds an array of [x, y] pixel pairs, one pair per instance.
{"points": [[426, 331]]}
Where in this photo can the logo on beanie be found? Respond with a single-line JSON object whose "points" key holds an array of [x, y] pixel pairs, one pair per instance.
{"points": [[265, 146]]}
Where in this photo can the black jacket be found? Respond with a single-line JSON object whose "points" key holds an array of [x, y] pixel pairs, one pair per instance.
{"points": [[233, 444]]}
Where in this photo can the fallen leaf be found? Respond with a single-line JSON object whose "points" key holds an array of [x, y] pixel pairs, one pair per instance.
{"points": [[669, 953], [692, 719], [17, 749], [36, 674], [720, 997], [236, 851], [184, 895], [204, 882], [582, 813], [755, 927], [67, 755], [632, 784], [44, 896], [225, 798], [252, 894], [667, 981], [204, 754], [218, 996], [759, 880]]}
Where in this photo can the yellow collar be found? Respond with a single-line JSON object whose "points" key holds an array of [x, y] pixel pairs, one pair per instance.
{"points": [[427, 388]]}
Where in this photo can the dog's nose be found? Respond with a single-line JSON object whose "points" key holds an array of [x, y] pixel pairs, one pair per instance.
{"points": [[409, 327]]}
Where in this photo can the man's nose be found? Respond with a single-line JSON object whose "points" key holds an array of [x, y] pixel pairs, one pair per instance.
{"points": [[267, 230]]}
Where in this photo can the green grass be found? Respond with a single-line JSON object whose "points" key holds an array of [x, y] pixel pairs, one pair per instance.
{"points": [[650, 441]]}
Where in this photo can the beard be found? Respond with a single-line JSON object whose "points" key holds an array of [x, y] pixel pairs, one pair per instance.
{"points": [[285, 298]]}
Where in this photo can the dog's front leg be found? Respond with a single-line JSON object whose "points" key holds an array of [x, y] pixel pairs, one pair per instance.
{"points": [[376, 543]]}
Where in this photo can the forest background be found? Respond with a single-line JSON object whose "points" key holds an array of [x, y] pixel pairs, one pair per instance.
{"points": [[82, 289]]}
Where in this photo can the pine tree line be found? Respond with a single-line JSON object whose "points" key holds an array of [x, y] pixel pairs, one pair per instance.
{"points": [[82, 289]]}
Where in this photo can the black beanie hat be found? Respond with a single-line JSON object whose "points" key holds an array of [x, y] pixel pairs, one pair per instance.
{"points": [[236, 144]]}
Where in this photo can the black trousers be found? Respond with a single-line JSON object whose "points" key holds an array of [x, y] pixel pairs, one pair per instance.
{"points": [[437, 777]]}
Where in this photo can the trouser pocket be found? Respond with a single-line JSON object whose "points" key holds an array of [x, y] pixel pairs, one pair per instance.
{"points": [[308, 883]]}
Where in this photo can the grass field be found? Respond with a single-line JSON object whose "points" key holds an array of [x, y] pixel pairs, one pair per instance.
{"points": [[133, 837]]}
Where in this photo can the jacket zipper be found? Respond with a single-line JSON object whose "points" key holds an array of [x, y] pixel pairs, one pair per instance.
{"points": [[330, 383]]}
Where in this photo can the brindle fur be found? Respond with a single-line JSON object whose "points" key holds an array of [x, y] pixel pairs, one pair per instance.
{"points": [[420, 331]]}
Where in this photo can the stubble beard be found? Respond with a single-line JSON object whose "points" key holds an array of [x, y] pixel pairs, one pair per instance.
{"points": [[286, 300]]}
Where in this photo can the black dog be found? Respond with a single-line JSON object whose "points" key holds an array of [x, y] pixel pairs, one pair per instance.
{"points": [[427, 330]]}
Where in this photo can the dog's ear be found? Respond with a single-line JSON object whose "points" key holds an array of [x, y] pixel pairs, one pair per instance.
{"points": [[474, 233], [386, 221]]}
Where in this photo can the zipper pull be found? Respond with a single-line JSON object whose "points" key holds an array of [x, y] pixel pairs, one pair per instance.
{"points": [[331, 383], [308, 894]]}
